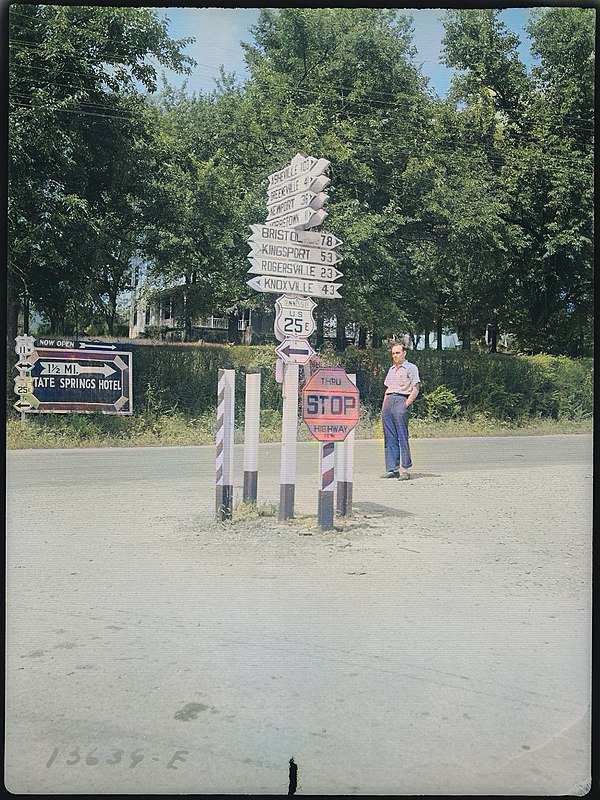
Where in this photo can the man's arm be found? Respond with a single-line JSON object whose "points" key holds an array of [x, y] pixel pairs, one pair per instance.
{"points": [[413, 394]]}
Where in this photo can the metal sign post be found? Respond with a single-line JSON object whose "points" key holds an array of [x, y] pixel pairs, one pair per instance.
{"points": [[289, 433], [24, 348], [251, 436], [344, 471], [289, 260], [224, 442]]}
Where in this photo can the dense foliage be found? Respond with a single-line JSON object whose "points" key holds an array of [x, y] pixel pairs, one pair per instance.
{"points": [[183, 379], [454, 213]]}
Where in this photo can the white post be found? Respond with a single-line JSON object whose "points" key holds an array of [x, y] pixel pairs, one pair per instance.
{"points": [[345, 470], [251, 436], [224, 442], [326, 484], [289, 435]]}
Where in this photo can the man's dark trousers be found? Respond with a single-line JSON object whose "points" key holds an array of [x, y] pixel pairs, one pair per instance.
{"points": [[394, 417]]}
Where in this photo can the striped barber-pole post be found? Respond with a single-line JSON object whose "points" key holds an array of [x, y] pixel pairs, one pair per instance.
{"points": [[251, 437], [224, 442], [344, 468], [327, 472]]}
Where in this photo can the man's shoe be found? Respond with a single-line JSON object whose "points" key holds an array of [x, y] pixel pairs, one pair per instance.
{"points": [[392, 473], [404, 476]]}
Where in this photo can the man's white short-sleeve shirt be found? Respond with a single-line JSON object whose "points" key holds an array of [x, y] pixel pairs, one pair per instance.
{"points": [[401, 379]]}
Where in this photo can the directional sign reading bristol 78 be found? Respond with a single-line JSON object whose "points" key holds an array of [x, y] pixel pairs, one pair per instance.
{"points": [[86, 377]]}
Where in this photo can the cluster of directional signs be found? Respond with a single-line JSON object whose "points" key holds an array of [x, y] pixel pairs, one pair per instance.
{"points": [[289, 259]]}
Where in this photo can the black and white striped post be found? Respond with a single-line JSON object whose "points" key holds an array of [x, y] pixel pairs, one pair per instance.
{"points": [[327, 483], [224, 442], [289, 436], [251, 436], [344, 468]]}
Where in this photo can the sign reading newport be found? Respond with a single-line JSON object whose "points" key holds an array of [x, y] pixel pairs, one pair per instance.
{"points": [[330, 404], [86, 378]]}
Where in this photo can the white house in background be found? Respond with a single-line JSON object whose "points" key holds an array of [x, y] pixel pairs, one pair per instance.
{"points": [[450, 341], [161, 312]]}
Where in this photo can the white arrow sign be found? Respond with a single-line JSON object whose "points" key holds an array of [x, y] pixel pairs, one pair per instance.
{"points": [[274, 266], [304, 218], [310, 182], [295, 351], [303, 286], [297, 202], [95, 346], [270, 233], [73, 368], [298, 166], [295, 252]]}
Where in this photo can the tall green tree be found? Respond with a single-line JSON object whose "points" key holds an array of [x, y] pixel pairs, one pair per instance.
{"points": [[536, 132], [74, 114], [342, 83]]}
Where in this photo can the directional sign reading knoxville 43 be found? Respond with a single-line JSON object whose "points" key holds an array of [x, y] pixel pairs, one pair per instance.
{"points": [[302, 286], [330, 404], [82, 379]]}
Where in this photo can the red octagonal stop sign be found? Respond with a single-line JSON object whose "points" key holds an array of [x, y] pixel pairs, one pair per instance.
{"points": [[330, 404]]}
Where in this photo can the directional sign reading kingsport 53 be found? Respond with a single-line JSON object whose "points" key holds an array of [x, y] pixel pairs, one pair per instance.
{"points": [[294, 252], [82, 379]]}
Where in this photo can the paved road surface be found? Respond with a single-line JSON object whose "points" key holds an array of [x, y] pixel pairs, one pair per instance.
{"points": [[438, 642]]}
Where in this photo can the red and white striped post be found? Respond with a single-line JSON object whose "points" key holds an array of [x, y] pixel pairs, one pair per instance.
{"points": [[327, 483], [224, 442], [344, 467], [251, 437]]}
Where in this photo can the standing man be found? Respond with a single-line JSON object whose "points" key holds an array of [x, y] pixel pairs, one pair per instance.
{"points": [[402, 386]]}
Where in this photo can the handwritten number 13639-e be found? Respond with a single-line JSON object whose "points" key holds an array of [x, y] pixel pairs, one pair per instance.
{"points": [[136, 756]]}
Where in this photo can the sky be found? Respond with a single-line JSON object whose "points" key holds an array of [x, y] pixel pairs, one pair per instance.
{"points": [[219, 31]]}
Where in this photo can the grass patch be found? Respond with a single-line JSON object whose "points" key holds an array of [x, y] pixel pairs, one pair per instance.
{"points": [[97, 430], [245, 511]]}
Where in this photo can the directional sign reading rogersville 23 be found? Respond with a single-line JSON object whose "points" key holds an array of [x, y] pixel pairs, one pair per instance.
{"points": [[86, 377], [330, 404]]}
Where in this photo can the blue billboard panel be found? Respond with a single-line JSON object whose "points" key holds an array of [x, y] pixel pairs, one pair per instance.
{"points": [[82, 378]]}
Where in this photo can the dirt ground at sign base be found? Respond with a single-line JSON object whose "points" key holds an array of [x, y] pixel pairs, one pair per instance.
{"points": [[436, 642]]}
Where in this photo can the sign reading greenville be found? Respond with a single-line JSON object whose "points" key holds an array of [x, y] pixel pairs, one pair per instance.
{"points": [[81, 378]]}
